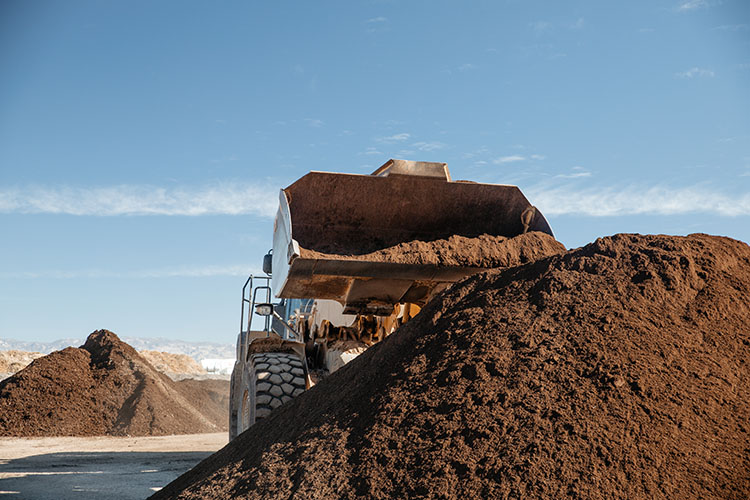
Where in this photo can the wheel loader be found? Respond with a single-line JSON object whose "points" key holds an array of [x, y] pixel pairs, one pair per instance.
{"points": [[330, 291]]}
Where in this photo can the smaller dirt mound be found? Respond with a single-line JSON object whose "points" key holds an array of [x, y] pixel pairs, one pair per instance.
{"points": [[172, 364], [103, 388], [459, 251]]}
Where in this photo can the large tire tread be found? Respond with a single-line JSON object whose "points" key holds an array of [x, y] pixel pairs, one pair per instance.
{"points": [[278, 378]]}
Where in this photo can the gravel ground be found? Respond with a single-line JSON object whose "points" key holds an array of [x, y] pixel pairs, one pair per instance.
{"points": [[78, 468]]}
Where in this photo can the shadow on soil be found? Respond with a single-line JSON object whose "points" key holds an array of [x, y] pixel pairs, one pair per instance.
{"points": [[92, 475]]}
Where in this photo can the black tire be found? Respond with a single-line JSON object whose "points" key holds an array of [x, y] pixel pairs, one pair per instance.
{"points": [[269, 380], [278, 378]]}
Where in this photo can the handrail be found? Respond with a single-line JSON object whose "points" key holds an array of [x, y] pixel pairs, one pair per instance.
{"points": [[242, 305], [250, 293]]}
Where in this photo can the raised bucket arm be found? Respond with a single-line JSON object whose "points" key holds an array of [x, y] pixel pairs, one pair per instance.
{"points": [[326, 220]]}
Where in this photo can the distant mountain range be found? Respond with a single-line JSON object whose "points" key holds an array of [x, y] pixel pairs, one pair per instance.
{"points": [[196, 350]]}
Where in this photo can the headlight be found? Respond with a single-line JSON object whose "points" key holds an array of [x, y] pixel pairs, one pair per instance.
{"points": [[264, 309]]}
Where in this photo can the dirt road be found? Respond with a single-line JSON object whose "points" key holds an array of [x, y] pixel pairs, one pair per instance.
{"points": [[101, 467]]}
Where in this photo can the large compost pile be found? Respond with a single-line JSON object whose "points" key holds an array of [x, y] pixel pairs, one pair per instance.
{"points": [[106, 388], [617, 370]]}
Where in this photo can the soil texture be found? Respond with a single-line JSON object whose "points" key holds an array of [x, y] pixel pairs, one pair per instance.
{"points": [[106, 388], [616, 370], [484, 251]]}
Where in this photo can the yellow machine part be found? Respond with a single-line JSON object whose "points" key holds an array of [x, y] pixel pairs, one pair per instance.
{"points": [[368, 329]]}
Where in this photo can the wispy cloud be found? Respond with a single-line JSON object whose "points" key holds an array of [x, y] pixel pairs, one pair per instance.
{"points": [[577, 173], [692, 5], [372, 151], [482, 151], [466, 67], [428, 146], [171, 272], [537, 157], [540, 27], [395, 138], [314, 122], [695, 73], [579, 24], [696, 4], [219, 199], [509, 159], [377, 25], [733, 27], [603, 202], [574, 175]]}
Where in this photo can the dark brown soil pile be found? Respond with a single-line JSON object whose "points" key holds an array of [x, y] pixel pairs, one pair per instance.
{"points": [[105, 388], [483, 251], [617, 370]]}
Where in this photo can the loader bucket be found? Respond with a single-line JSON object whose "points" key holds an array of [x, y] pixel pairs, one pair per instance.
{"points": [[349, 215]]}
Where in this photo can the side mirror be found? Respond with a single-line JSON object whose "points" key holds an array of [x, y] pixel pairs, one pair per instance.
{"points": [[264, 309], [267, 263]]}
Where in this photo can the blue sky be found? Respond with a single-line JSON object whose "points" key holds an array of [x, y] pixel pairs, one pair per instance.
{"points": [[143, 144]]}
